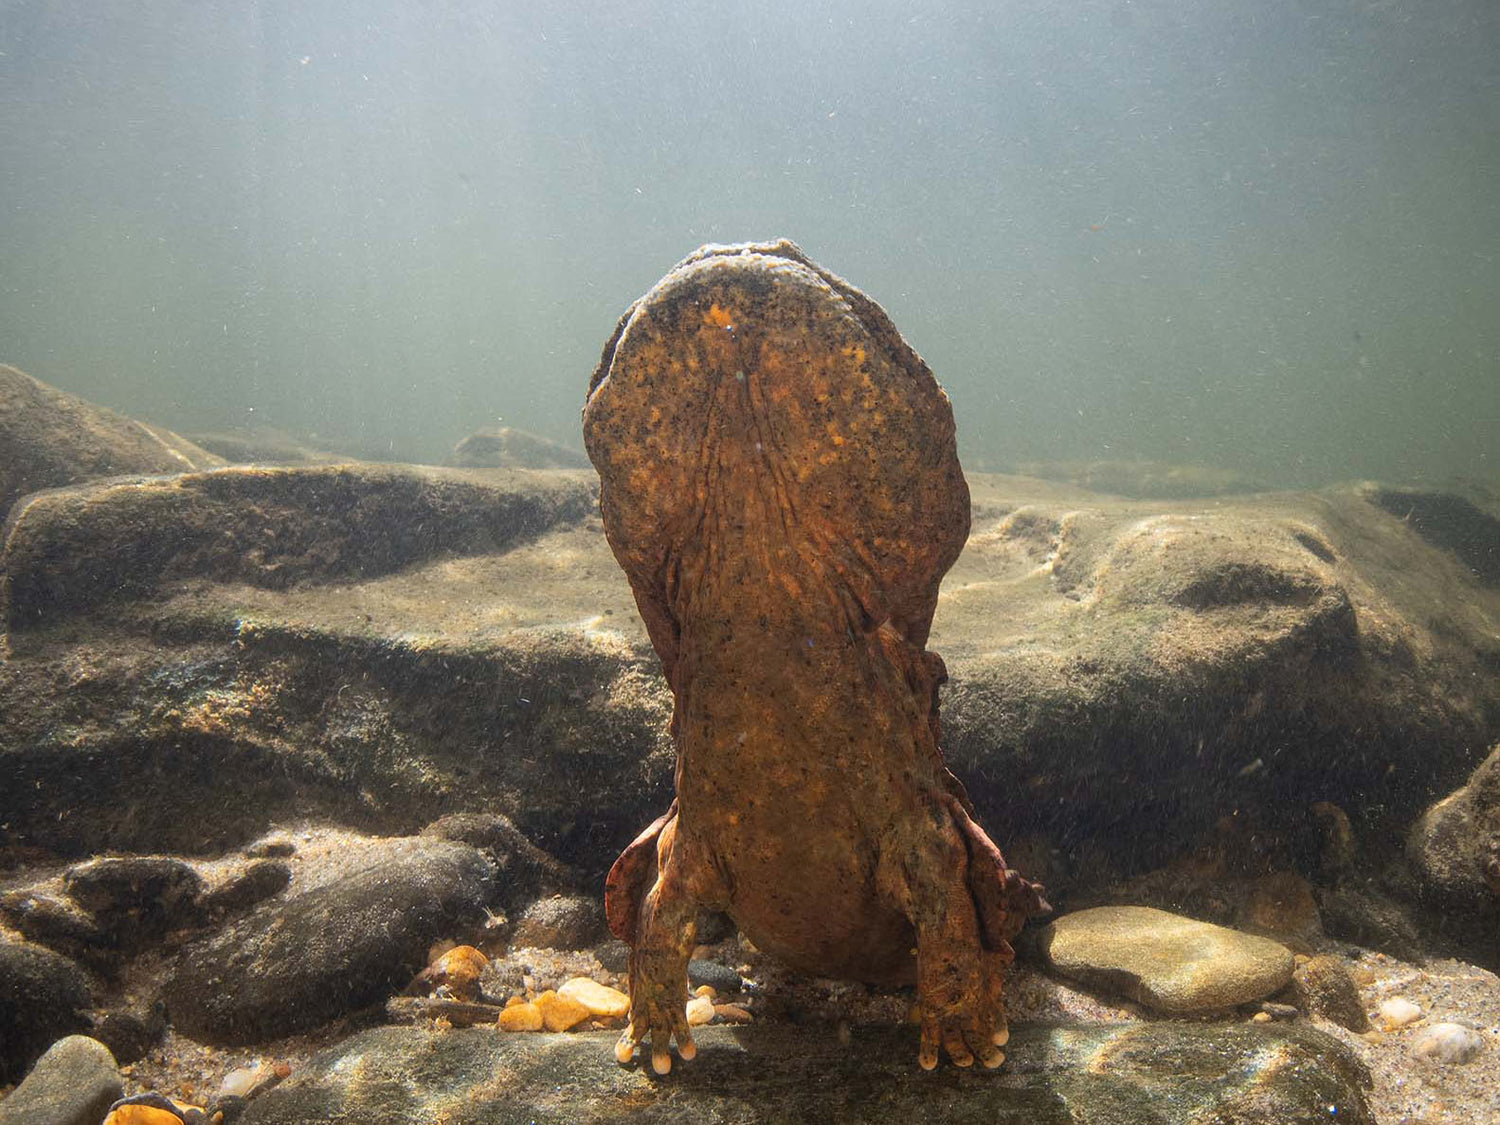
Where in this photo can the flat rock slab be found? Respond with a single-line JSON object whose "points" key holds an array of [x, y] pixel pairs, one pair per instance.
{"points": [[1164, 1073], [1168, 962]]}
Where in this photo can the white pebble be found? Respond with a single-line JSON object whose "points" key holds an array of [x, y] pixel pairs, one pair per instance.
{"points": [[1398, 1012], [1447, 1043], [239, 1083]]}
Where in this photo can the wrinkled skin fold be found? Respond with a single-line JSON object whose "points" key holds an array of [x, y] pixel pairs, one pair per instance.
{"points": [[779, 481]]}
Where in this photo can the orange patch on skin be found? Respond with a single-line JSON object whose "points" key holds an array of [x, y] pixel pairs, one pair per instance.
{"points": [[718, 316]]}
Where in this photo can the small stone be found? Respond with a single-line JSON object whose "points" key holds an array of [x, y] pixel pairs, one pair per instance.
{"points": [[721, 977], [559, 1012], [74, 1083], [559, 922], [129, 1035], [1323, 986], [700, 1010], [260, 880], [733, 1013], [238, 1083], [705, 990], [597, 999], [1279, 1011], [524, 1016], [1398, 1012], [1261, 1017], [1447, 1043], [136, 889], [272, 847], [457, 972]]}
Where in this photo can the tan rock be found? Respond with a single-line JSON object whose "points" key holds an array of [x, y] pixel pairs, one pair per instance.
{"points": [[598, 999], [700, 1010], [524, 1016], [1165, 961], [559, 1012]]}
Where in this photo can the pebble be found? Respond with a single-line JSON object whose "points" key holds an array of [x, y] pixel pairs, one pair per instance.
{"points": [[524, 1016], [721, 977], [700, 1010], [598, 999], [1447, 1043], [1398, 1012], [559, 1012], [732, 1013]]}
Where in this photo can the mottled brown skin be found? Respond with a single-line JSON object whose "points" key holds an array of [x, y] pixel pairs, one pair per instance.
{"points": [[780, 483]]}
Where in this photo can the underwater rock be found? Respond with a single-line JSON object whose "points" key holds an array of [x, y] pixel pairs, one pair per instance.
{"points": [[1143, 480], [721, 978], [307, 958], [61, 925], [520, 680], [559, 922], [264, 446], [1323, 986], [43, 996], [1282, 905], [1365, 916], [260, 879], [508, 448], [137, 899], [130, 1034], [1456, 844], [598, 999], [1396, 1012], [1449, 1043], [272, 528], [523, 870], [1166, 1073], [74, 1083], [50, 439], [1167, 962]]}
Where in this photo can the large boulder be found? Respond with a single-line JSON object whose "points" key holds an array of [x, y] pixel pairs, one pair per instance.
{"points": [[1169, 1073], [331, 949], [385, 646], [50, 438]]}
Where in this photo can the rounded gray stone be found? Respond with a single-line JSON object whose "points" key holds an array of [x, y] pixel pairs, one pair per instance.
{"points": [[42, 997], [296, 962], [1165, 961], [74, 1083]]}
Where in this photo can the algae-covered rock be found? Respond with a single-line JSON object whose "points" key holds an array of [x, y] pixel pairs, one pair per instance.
{"points": [[1456, 844], [1165, 961], [332, 949], [74, 1083], [43, 996], [1167, 1074], [509, 448], [71, 550], [50, 438]]}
